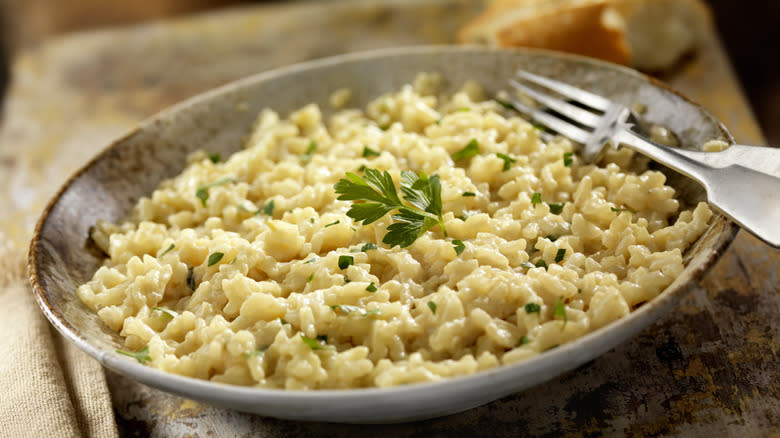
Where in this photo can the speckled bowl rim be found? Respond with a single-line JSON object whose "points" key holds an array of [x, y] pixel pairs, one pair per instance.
{"points": [[319, 405]]}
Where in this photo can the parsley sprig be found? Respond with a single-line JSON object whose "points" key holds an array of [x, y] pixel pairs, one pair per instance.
{"points": [[420, 212]]}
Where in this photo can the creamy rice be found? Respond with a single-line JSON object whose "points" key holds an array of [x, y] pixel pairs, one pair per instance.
{"points": [[236, 271]]}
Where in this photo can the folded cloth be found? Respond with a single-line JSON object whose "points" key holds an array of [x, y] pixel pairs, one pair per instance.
{"points": [[49, 387]]}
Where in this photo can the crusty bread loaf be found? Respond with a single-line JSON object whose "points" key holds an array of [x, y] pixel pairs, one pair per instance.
{"points": [[647, 34]]}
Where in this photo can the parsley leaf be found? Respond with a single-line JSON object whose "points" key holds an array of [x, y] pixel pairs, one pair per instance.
{"points": [[312, 343], [524, 340], [202, 192], [432, 306], [541, 264], [559, 255], [345, 261], [268, 208], [368, 152], [371, 287], [215, 158], [556, 208], [471, 149], [191, 279], [141, 355], [560, 310], [421, 212], [533, 308], [458, 245], [567, 159], [331, 224], [215, 258], [507, 160], [618, 210], [468, 194], [536, 198], [310, 278]]}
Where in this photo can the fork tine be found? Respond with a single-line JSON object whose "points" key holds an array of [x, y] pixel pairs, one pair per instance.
{"points": [[560, 126], [577, 114], [587, 98]]}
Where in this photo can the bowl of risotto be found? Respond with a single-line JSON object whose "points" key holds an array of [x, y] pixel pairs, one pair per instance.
{"points": [[373, 237]]}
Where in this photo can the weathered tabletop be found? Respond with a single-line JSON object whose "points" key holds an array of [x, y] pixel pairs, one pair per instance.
{"points": [[709, 367]]}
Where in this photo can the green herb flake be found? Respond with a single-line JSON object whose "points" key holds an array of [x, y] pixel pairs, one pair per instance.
{"points": [[469, 194], [345, 260], [371, 287], [191, 279], [541, 264], [306, 157], [368, 152], [215, 158], [331, 224], [310, 278], [458, 245], [471, 149], [283, 321], [556, 208], [560, 311], [618, 210], [346, 308], [507, 160], [346, 279], [567, 159], [268, 208], [202, 192], [141, 355], [432, 306], [368, 246], [579, 291], [532, 308], [463, 109], [312, 343], [215, 258], [536, 198], [258, 352], [322, 338], [170, 248], [463, 217], [311, 220], [421, 212], [311, 260], [372, 312], [166, 312], [559, 255], [524, 340]]}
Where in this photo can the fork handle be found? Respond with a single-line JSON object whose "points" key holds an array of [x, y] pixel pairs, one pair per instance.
{"points": [[743, 182]]}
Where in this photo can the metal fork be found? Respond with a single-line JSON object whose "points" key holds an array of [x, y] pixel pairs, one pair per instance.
{"points": [[743, 182]]}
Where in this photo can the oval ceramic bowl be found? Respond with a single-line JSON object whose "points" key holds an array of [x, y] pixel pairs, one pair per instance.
{"points": [[108, 186]]}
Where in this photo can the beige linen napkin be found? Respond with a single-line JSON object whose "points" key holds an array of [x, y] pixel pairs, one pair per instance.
{"points": [[49, 387]]}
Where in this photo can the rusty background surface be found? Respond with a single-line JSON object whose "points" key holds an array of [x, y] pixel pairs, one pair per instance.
{"points": [[708, 368]]}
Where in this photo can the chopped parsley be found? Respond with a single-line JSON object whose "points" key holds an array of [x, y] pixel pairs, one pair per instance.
{"points": [[141, 355], [368, 152], [166, 312], [306, 157], [311, 260], [471, 149], [618, 210], [468, 194], [541, 264], [560, 311], [421, 212], [371, 287], [331, 224], [215, 158], [202, 192], [524, 340], [345, 261], [368, 246], [536, 198], [432, 306], [567, 159], [312, 343], [532, 308], [556, 208], [170, 248], [191, 279], [310, 278], [258, 352], [559, 255], [507, 160], [268, 208], [458, 245], [215, 258]]}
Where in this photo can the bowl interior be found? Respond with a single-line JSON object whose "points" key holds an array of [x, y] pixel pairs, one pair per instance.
{"points": [[218, 121]]}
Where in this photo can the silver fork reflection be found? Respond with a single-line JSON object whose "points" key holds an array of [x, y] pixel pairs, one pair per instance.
{"points": [[743, 182]]}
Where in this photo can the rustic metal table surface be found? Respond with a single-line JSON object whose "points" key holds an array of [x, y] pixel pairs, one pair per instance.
{"points": [[709, 367]]}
